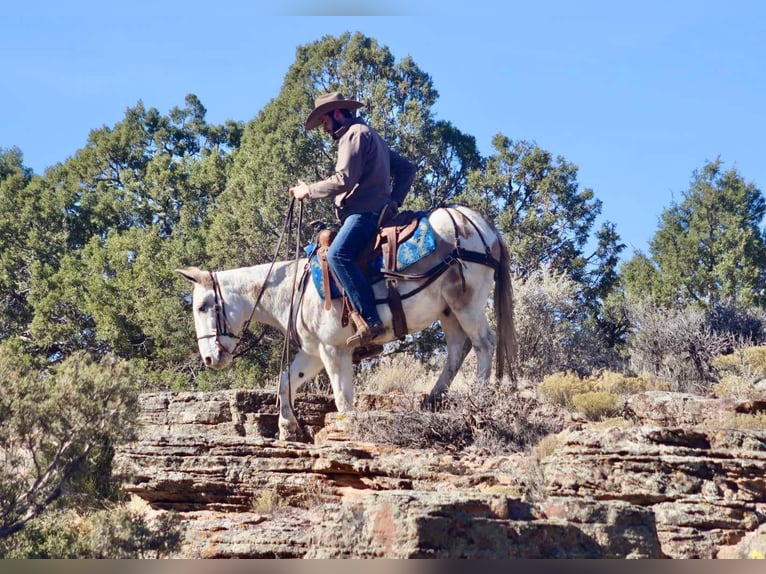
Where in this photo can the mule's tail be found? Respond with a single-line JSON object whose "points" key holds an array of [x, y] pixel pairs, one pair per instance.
{"points": [[506, 348]]}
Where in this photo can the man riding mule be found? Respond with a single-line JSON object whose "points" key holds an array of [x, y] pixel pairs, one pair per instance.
{"points": [[452, 284], [363, 195]]}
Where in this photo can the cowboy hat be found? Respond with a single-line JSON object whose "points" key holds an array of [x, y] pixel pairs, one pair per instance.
{"points": [[326, 103]]}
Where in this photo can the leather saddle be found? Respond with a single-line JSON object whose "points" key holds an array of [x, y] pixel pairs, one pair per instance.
{"points": [[394, 231]]}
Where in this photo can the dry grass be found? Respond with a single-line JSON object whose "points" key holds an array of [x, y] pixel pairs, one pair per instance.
{"points": [[267, 502], [745, 422], [316, 493], [740, 372], [399, 373], [547, 446], [747, 362], [496, 418], [597, 405]]}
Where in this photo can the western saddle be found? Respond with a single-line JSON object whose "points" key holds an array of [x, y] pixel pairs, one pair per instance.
{"points": [[395, 231]]}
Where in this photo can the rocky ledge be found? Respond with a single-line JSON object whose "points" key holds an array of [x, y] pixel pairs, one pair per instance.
{"points": [[672, 484]]}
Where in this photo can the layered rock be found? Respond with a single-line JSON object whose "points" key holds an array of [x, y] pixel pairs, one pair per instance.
{"points": [[658, 488]]}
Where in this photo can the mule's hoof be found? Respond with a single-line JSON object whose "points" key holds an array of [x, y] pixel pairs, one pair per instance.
{"points": [[288, 431], [432, 403], [291, 435]]}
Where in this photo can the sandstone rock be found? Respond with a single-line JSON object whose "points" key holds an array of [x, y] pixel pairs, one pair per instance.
{"points": [[400, 524], [705, 488], [675, 484]]}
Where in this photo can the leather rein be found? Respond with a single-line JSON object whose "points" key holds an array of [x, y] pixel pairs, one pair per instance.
{"points": [[457, 256], [222, 327]]}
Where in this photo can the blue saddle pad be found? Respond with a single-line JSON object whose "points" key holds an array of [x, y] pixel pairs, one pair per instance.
{"points": [[420, 244]]}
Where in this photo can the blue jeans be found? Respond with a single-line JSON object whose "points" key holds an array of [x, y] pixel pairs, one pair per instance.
{"points": [[354, 235]]}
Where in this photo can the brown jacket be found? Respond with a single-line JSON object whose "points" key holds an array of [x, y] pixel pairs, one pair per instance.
{"points": [[363, 173]]}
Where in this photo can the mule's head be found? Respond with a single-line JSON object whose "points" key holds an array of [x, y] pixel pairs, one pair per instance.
{"points": [[216, 344]]}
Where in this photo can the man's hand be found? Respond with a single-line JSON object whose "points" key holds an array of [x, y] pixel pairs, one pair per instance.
{"points": [[300, 191]]}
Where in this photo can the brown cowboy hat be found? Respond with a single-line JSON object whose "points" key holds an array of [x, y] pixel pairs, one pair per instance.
{"points": [[326, 103]]}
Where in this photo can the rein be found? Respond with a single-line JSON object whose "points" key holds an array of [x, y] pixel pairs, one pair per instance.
{"points": [[221, 324]]}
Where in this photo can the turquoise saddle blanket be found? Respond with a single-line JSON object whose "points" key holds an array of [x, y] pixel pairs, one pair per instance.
{"points": [[420, 244]]}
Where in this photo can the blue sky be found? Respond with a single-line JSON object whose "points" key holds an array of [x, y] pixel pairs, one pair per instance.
{"points": [[638, 95]]}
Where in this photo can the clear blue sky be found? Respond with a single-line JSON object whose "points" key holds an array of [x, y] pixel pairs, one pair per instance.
{"points": [[638, 95]]}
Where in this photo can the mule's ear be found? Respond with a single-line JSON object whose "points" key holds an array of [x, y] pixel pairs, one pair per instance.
{"points": [[192, 274]]}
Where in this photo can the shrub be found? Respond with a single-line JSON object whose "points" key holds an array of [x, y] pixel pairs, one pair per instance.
{"points": [[559, 388], [743, 323], [495, 418], [556, 331], [747, 362], [675, 345], [597, 405], [618, 383], [736, 387], [412, 429], [58, 426], [546, 315], [117, 532]]}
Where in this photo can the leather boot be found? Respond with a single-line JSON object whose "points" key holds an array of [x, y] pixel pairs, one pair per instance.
{"points": [[365, 333]]}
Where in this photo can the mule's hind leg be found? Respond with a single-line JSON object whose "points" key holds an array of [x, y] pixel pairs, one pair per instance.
{"points": [[458, 346], [476, 326]]}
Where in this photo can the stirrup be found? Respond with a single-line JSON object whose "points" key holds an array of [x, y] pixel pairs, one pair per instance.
{"points": [[365, 334]]}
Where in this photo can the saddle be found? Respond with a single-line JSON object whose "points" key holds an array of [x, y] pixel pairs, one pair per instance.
{"points": [[390, 236]]}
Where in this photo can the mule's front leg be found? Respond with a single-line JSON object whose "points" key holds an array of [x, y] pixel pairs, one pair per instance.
{"points": [[302, 368], [339, 364]]}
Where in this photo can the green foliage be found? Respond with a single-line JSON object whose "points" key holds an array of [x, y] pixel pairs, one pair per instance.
{"points": [[104, 534], [53, 424], [89, 249], [548, 220], [708, 247], [32, 236]]}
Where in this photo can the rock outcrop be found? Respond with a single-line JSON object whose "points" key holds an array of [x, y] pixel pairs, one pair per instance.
{"points": [[674, 484]]}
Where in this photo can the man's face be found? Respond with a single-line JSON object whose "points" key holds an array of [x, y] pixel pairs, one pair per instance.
{"points": [[330, 124]]}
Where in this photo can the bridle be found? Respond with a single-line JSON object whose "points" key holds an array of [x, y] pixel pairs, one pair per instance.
{"points": [[222, 328]]}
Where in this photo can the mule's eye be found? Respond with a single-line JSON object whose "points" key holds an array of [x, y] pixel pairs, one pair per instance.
{"points": [[203, 308]]}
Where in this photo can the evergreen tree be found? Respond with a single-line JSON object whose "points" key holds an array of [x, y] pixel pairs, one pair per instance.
{"points": [[708, 248], [276, 150], [122, 214], [536, 201], [32, 236]]}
